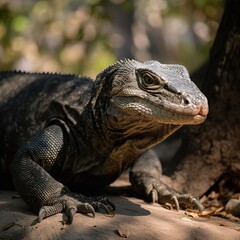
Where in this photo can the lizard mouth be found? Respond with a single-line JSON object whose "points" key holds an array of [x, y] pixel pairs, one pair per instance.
{"points": [[199, 119], [202, 114], [167, 113]]}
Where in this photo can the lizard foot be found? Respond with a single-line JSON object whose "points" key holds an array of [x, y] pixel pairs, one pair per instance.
{"points": [[71, 203], [156, 191]]}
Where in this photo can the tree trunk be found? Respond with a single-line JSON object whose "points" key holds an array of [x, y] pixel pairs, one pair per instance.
{"points": [[214, 149]]}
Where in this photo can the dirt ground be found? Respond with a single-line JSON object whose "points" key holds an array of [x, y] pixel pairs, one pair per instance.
{"points": [[134, 219]]}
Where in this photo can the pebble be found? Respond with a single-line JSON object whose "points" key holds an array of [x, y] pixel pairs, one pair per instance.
{"points": [[233, 207]]}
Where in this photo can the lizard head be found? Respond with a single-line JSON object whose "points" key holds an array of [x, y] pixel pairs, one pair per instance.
{"points": [[161, 92], [151, 91]]}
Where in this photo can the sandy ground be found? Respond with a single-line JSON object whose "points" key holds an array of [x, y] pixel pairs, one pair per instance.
{"points": [[134, 219]]}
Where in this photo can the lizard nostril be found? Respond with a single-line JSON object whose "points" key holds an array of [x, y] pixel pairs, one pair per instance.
{"points": [[185, 101]]}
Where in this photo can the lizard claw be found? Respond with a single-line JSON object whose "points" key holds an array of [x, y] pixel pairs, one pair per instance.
{"points": [[86, 208], [103, 206], [71, 213], [96, 202], [175, 200], [154, 196], [73, 207], [190, 200], [110, 204], [198, 205], [47, 211], [104, 203], [41, 214]]}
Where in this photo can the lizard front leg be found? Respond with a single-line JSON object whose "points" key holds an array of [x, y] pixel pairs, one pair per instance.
{"points": [[145, 177], [44, 152]]}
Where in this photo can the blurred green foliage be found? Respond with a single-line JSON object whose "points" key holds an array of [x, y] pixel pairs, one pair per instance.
{"points": [[85, 36]]}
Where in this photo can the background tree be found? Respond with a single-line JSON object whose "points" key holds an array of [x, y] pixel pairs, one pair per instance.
{"points": [[213, 157]]}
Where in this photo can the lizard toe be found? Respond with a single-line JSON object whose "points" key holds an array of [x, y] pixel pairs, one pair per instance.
{"points": [[103, 203], [100, 205], [175, 200], [109, 203], [47, 211], [86, 208], [190, 200], [154, 196], [168, 196], [70, 210], [198, 204], [92, 204], [72, 207]]}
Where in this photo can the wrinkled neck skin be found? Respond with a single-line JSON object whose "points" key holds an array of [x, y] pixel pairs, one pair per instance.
{"points": [[134, 135], [126, 137], [143, 132]]}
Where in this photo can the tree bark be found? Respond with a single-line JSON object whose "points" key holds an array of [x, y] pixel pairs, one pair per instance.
{"points": [[214, 149]]}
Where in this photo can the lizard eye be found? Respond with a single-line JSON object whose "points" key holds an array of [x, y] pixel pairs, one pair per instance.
{"points": [[148, 81]]}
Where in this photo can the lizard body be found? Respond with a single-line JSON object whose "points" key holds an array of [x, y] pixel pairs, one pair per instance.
{"points": [[62, 132]]}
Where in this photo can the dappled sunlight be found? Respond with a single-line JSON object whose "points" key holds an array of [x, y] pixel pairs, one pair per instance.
{"points": [[85, 37]]}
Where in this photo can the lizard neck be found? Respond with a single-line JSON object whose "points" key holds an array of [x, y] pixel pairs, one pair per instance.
{"points": [[129, 140], [125, 137], [143, 133], [91, 128]]}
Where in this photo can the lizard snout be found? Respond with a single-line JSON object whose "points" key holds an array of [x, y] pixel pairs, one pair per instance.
{"points": [[203, 111]]}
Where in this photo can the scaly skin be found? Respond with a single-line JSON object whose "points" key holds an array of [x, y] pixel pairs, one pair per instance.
{"points": [[64, 133]]}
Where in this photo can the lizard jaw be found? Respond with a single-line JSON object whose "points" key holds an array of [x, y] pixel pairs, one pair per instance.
{"points": [[121, 106]]}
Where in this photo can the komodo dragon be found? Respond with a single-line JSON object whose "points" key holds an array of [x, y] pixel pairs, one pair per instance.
{"points": [[62, 136]]}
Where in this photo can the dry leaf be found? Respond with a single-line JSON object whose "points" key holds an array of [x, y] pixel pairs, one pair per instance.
{"points": [[207, 213], [192, 214], [167, 206], [123, 231], [203, 199], [220, 209], [213, 195]]}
